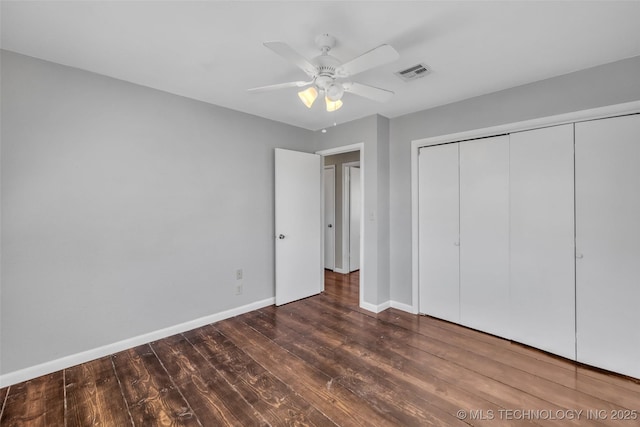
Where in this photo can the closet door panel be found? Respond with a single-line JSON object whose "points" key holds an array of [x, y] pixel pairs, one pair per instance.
{"points": [[484, 235], [608, 243], [439, 232], [542, 258]]}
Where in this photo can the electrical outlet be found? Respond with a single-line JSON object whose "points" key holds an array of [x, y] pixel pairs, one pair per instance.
{"points": [[239, 274], [238, 288]]}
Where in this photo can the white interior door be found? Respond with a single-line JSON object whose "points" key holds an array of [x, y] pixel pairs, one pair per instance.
{"points": [[607, 243], [355, 209], [484, 235], [542, 262], [439, 232], [329, 217], [298, 215]]}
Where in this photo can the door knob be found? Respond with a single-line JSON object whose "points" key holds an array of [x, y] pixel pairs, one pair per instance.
{"points": [[330, 226], [456, 243], [281, 236], [579, 256]]}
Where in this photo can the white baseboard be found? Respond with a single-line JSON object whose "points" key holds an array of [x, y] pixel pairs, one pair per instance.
{"points": [[375, 308], [341, 270], [96, 353], [381, 307], [404, 307]]}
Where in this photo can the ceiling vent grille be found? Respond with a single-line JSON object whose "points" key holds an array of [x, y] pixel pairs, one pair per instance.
{"points": [[413, 73]]}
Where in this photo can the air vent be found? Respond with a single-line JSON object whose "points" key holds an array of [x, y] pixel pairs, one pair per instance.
{"points": [[413, 73]]}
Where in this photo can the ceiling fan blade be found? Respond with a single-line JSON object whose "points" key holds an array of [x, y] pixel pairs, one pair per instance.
{"points": [[377, 94], [279, 86], [287, 52], [374, 58]]}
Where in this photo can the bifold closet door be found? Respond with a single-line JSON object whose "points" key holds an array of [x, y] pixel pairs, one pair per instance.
{"points": [[484, 235], [542, 254], [608, 243], [439, 232]]}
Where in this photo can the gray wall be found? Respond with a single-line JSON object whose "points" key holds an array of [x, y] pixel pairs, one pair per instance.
{"points": [[608, 84], [338, 160], [125, 209]]}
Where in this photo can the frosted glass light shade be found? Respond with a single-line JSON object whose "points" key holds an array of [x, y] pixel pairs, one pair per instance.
{"points": [[333, 106], [335, 91], [308, 96]]}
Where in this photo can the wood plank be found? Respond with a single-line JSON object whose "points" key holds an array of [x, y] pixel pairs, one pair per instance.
{"points": [[403, 372], [211, 397], [93, 395], [400, 317], [357, 376], [456, 359], [36, 403], [542, 389], [529, 359], [148, 390], [331, 398], [396, 367], [563, 375], [277, 403]]}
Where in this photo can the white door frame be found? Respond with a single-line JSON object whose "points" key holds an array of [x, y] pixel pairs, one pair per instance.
{"points": [[346, 214], [346, 149]]}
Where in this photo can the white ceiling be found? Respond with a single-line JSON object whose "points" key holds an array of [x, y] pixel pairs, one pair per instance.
{"points": [[212, 50]]}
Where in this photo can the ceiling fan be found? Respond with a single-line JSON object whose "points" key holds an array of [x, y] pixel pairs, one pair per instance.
{"points": [[329, 76]]}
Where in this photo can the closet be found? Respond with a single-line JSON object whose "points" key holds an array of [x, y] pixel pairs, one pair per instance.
{"points": [[534, 236]]}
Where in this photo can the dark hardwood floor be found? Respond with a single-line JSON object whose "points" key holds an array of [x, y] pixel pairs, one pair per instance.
{"points": [[323, 361]]}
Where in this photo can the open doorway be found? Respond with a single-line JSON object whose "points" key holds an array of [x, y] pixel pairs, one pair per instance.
{"points": [[338, 157]]}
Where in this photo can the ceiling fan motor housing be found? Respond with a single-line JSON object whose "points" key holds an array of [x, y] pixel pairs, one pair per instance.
{"points": [[326, 65], [326, 76]]}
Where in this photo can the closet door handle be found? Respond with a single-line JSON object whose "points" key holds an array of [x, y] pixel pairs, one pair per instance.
{"points": [[456, 243], [579, 256]]}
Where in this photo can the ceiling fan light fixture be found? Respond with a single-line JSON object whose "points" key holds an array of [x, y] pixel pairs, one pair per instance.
{"points": [[308, 96], [335, 92], [333, 105]]}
